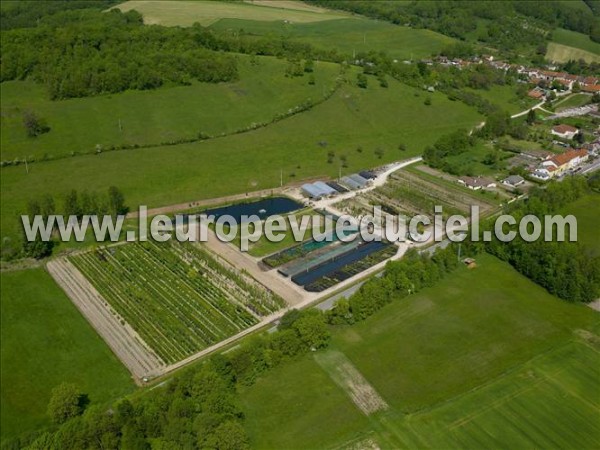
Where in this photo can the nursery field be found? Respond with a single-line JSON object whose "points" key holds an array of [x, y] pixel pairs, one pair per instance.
{"points": [[354, 122], [178, 298], [46, 342], [484, 356], [138, 118]]}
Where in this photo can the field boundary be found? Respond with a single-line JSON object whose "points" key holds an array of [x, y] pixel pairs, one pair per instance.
{"points": [[122, 339]]}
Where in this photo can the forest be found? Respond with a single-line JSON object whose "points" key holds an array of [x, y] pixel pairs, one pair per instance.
{"points": [[85, 52], [565, 269]]}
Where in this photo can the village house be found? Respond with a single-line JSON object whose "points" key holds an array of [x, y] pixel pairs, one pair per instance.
{"points": [[564, 131], [476, 183], [513, 181], [559, 164], [536, 93]]}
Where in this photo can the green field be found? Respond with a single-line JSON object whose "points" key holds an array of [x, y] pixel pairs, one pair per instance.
{"points": [[484, 359], [567, 45], [577, 40], [348, 36], [158, 116], [587, 211], [186, 13], [368, 118], [506, 98], [573, 101], [45, 342]]}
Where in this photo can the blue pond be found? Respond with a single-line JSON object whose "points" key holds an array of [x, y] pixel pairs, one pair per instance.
{"points": [[261, 208]]}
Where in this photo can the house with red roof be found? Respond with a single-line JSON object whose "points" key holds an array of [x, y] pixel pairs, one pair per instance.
{"points": [[564, 131], [559, 164]]}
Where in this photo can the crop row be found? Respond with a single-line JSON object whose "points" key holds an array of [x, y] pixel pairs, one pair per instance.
{"points": [[176, 305]]}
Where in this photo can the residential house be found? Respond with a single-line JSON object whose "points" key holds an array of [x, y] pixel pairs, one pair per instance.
{"points": [[559, 164], [564, 131], [476, 183], [513, 181]]}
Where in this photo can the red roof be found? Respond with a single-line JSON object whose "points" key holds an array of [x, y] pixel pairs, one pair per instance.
{"points": [[591, 88], [535, 93], [567, 156], [562, 129]]}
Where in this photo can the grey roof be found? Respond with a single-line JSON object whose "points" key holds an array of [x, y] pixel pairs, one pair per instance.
{"points": [[312, 191], [514, 179], [360, 180], [325, 187], [350, 183]]}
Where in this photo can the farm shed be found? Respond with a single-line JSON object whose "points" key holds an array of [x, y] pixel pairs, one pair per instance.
{"points": [[337, 186], [325, 188], [359, 180], [350, 183], [310, 190]]}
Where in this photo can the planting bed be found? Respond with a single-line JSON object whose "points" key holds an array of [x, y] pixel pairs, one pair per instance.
{"points": [[336, 270], [177, 297]]}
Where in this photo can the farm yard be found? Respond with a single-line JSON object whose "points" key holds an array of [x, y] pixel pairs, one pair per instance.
{"points": [[179, 298]]}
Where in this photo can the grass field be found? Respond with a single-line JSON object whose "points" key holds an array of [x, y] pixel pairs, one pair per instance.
{"points": [[577, 40], [587, 211], [367, 118], [45, 341], [573, 101], [506, 98], [348, 35], [186, 13], [568, 45], [484, 359], [157, 116]]}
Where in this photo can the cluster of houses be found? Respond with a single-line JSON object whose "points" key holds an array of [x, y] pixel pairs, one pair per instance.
{"points": [[536, 76], [322, 189], [588, 84], [477, 183]]}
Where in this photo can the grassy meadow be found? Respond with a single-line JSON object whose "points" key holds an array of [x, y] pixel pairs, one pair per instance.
{"points": [[186, 13], [45, 342], [484, 359], [587, 211], [577, 40], [348, 35], [573, 101], [506, 98], [568, 45], [157, 116], [353, 122]]}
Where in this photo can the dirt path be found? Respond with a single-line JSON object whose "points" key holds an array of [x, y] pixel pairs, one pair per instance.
{"points": [[346, 375], [122, 339]]}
